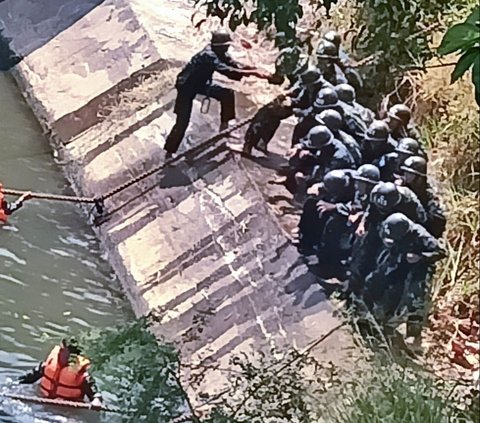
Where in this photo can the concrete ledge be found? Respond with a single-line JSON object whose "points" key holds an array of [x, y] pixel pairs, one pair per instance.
{"points": [[197, 241]]}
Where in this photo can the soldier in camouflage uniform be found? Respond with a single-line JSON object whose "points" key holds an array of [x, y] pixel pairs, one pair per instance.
{"points": [[376, 142], [337, 187], [399, 121], [414, 176], [346, 95], [403, 265], [389, 164], [333, 120], [327, 62], [320, 149], [352, 76], [325, 99], [385, 198]]}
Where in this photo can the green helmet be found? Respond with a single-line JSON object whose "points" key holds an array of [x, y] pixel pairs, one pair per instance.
{"points": [[326, 98], [318, 137], [400, 112], [333, 37], [327, 50], [416, 165], [346, 93], [368, 173], [407, 146], [377, 131], [220, 38], [395, 226], [335, 181], [331, 119], [385, 195]]}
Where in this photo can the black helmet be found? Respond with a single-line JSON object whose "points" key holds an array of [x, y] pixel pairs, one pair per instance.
{"points": [[377, 131], [326, 99], [416, 165], [72, 345], [346, 93], [335, 181], [317, 137], [407, 146], [333, 37], [368, 173], [331, 119], [385, 195], [311, 75], [221, 37], [327, 50], [400, 112], [395, 227]]}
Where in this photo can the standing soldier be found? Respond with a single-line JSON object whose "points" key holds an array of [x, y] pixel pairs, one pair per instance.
{"points": [[196, 78]]}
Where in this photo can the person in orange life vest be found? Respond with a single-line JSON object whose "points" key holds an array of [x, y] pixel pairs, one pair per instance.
{"points": [[6, 209], [64, 375]]}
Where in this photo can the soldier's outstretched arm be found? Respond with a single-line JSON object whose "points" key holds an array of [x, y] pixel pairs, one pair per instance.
{"points": [[32, 376]]}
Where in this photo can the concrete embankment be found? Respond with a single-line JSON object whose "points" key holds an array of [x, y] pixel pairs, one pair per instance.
{"points": [[200, 241]]}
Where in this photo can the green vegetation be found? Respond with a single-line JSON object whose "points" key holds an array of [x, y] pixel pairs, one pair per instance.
{"points": [[277, 386], [136, 371], [286, 386], [465, 38]]}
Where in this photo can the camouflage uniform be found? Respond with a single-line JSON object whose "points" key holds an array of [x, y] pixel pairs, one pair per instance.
{"points": [[397, 284], [415, 177], [380, 206]]}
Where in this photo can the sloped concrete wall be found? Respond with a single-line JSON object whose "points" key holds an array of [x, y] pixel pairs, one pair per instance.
{"points": [[198, 241]]}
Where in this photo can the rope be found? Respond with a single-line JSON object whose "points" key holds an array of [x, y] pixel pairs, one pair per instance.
{"points": [[60, 402], [55, 197], [98, 201], [150, 172]]}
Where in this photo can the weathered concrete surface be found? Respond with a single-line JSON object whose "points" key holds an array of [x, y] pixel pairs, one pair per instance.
{"points": [[199, 241]]}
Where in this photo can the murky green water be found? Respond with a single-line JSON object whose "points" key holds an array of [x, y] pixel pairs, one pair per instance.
{"points": [[52, 277]]}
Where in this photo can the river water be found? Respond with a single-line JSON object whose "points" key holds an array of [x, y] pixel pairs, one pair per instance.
{"points": [[53, 278]]}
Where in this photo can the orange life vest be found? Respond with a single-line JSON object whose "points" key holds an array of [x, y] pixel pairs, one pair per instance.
{"points": [[63, 382], [3, 215]]}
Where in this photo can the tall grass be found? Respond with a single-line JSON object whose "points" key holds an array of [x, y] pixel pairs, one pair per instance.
{"points": [[448, 117]]}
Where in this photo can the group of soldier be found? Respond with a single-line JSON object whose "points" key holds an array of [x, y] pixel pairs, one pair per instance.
{"points": [[369, 212]]}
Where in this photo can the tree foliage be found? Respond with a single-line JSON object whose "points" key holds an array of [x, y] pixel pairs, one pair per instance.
{"points": [[132, 368], [464, 38], [397, 32]]}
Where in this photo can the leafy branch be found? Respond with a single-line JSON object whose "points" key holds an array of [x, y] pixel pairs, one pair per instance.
{"points": [[464, 38]]}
